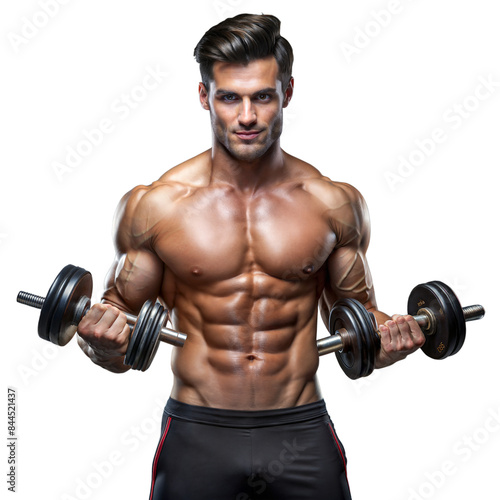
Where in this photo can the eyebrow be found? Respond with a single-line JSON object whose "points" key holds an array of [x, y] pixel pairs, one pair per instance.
{"points": [[267, 90]]}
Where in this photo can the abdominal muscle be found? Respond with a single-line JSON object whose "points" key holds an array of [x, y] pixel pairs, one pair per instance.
{"points": [[246, 353]]}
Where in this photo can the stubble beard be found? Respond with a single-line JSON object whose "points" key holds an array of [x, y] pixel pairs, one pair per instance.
{"points": [[248, 152]]}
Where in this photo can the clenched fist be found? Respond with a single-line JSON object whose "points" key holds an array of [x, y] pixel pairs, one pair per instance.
{"points": [[103, 335]]}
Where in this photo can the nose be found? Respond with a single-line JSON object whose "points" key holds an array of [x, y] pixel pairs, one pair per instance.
{"points": [[247, 114]]}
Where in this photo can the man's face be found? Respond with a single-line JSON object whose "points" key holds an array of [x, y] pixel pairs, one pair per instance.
{"points": [[246, 106]]}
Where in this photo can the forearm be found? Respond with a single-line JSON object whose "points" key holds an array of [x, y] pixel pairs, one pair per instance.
{"points": [[399, 336], [380, 317], [112, 363]]}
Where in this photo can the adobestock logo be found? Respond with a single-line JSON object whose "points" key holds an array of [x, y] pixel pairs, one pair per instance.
{"points": [[225, 8], [31, 27], [468, 446], [453, 118], [275, 468], [39, 361], [122, 107], [100, 471], [366, 33]]}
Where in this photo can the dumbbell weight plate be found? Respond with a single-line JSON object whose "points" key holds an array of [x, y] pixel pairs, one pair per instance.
{"points": [[149, 336], [370, 336], [459, 315], [67, 298], [154, 338], [449, 333], [351, 356], [136, 335], [451, 300], [357, 359], [450, 312], [50, 302]]}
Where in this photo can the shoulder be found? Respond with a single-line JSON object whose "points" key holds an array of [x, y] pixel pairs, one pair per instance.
{"points": [[335, 195], [346, 212], [341, 204], [176, 183], [141, 209], [332, 194]]}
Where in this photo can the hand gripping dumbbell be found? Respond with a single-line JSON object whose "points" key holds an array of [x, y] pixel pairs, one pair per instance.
{"points": [[355, 338], [67, 302]]}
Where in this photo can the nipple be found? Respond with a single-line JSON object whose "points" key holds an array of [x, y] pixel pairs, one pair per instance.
{"points": [[308, 269], [196, 271]]}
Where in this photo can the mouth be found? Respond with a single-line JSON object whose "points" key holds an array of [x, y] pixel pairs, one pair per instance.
{"points": [[248, 135]]}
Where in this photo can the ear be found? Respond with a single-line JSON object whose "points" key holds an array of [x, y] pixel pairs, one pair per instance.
{"points": [[203, 92], [288, 93]]}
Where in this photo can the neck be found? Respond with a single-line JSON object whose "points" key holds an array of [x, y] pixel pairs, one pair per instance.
{"points": [[247, 176]]}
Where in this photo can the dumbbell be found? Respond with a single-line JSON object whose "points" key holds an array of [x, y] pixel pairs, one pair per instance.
{"points": [[67, 302], [355, 338]]}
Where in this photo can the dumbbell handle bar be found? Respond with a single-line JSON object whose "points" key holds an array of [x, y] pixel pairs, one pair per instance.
{"points": [[325, 345], [424, 318], [166, 334]]}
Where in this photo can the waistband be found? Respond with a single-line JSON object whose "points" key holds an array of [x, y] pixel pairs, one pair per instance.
{"points": [[244, 419]]}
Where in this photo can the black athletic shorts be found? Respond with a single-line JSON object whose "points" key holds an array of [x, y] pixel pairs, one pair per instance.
{"points": [[216, 454]]}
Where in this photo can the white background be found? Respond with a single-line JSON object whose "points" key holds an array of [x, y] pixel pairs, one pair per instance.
{"points": [[361, 102]]}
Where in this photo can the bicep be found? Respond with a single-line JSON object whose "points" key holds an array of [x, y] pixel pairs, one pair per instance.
{"points": [[348, 273], [137, 272], [348, 276], [134, 277]]}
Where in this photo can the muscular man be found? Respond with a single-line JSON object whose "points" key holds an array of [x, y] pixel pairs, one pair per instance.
{"points": [[244, 244]]}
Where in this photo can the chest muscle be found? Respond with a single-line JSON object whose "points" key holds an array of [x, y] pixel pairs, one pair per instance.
{"points": [[216, 238]]}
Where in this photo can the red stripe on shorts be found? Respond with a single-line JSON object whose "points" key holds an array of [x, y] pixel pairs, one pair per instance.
{"points": [[340, 450], [157, 456]]}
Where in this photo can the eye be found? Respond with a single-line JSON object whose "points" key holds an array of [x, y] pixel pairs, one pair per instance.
{"points": [[263, 97], [229, 97]]}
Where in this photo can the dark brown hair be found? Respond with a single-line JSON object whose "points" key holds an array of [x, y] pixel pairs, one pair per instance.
{"points": [[242, 39]]}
